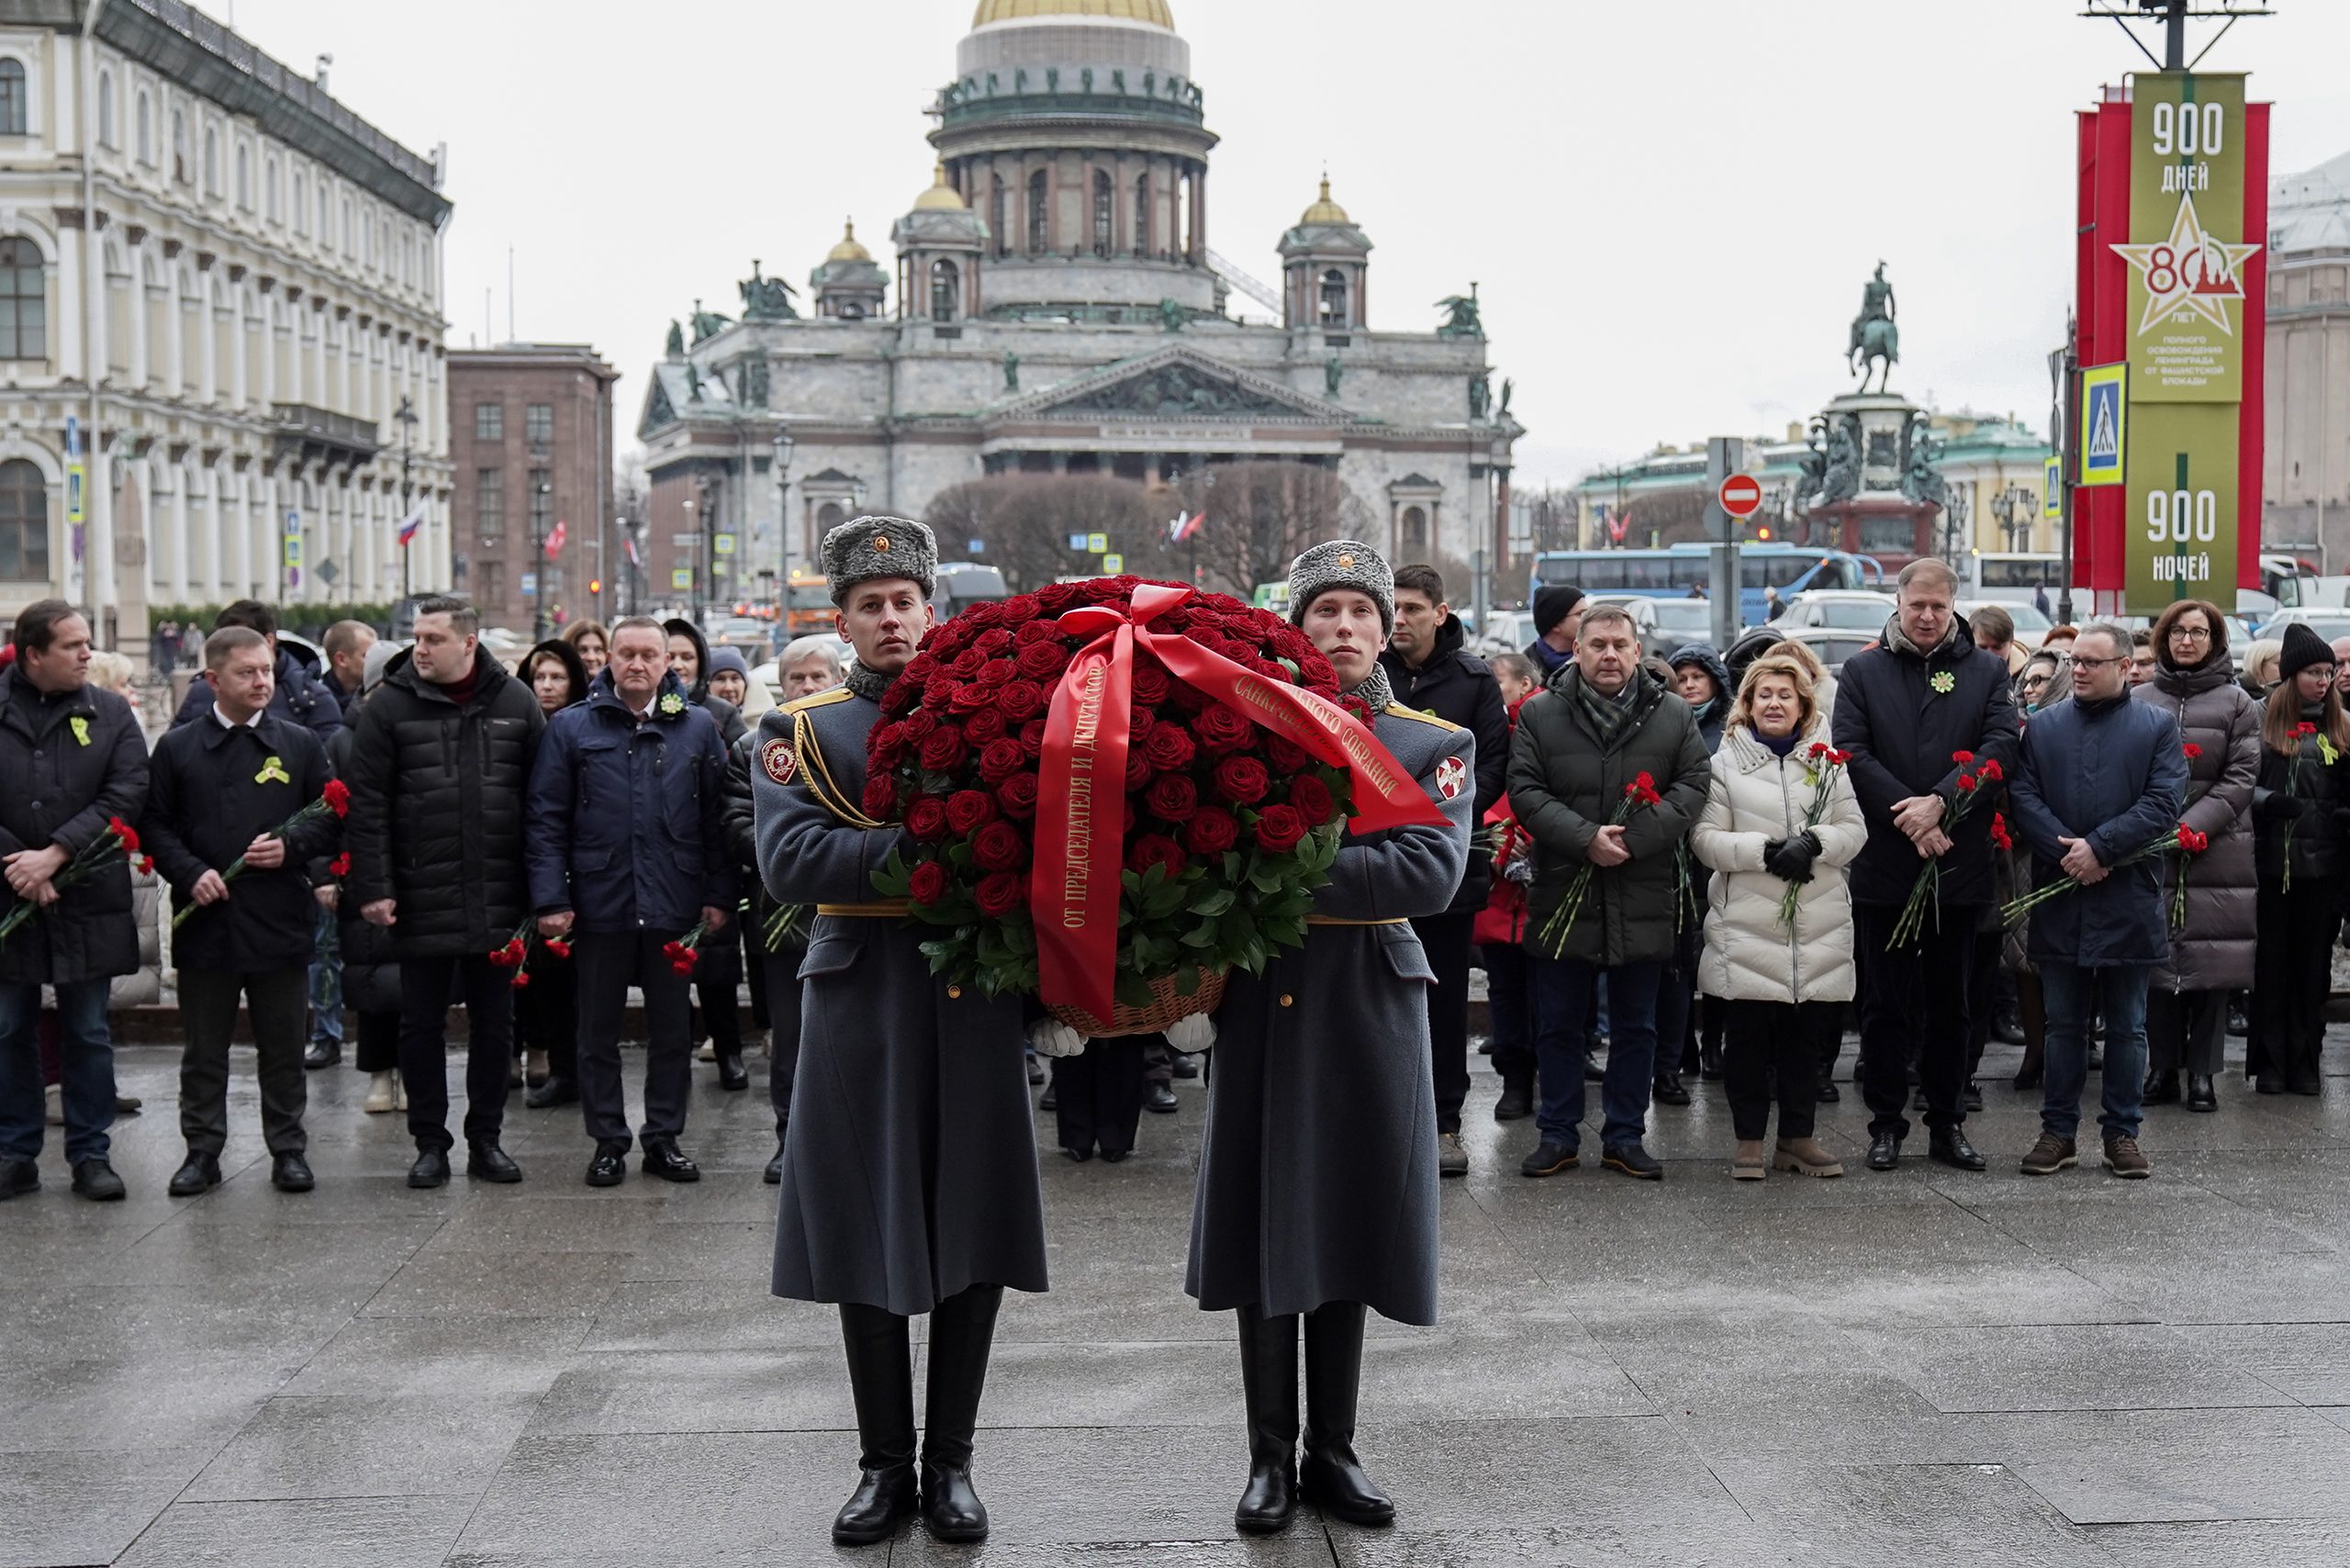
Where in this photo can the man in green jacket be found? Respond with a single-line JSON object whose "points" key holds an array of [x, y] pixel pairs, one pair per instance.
{"points": [[1606, 877]]}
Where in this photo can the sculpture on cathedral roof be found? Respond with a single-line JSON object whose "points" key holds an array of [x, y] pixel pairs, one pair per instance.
{"points": [[1462, 319], [766, 298], [1010, 371], [676, 346], [708, 323]]}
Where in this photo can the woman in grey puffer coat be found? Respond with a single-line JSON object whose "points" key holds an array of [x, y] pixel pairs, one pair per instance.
{"points": [[2186, 1009]]}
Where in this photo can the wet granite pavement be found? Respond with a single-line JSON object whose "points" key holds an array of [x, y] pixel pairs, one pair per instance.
{"points": [[2060, 1372]]}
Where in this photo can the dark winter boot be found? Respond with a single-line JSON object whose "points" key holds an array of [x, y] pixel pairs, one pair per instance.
{"points": [[962, 1331], [1332, 1476], [881, 1381], [1269, 1387]]}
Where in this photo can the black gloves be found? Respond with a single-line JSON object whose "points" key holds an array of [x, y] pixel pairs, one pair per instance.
{"points": [[1789, 859], [2277, 806]]}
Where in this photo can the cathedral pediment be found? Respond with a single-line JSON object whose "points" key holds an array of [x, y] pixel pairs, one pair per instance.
{"points": [[1175, 382]]}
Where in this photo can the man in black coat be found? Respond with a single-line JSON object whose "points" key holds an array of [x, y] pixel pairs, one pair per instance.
{"points": [[1905, 709], [1432, 671], [718, 979], [346, 643], [628, 853], [438, 774], [219, 791], [301, 691], [71, 759]]}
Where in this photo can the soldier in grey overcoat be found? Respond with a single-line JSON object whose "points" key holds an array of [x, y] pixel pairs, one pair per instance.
{"points": [[1317, 1184], [910, 1177]]}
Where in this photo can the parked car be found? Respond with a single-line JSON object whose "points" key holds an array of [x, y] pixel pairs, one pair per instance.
{"points": [[2327, 623], [1503, 631], [1643, 612], [1834, 645], [2031, 626], [1852, 610], [1680, 621]]}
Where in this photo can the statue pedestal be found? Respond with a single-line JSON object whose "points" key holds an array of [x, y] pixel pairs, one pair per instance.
{"points": [[1886, 525]]}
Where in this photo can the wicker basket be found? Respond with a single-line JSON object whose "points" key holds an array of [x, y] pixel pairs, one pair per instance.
{"points": [[1166, 1006]]}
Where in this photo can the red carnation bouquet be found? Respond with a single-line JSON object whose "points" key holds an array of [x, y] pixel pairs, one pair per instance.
{"points": [[118, 843], [1118, 791], [335, 798], [1925, 892], [516, 953]]}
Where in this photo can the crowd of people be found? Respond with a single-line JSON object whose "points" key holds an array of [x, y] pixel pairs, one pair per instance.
{"points": [[1699, 865]]}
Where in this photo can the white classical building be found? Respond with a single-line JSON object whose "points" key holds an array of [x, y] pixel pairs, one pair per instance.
{"points": [[222, 286], [1057, 308]]}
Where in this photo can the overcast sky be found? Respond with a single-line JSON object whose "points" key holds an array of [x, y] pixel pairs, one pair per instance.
{"points": [[1670, 205]]}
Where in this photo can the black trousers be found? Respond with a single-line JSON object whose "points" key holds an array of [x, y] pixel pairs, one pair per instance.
{"points": [[782, 974], [2292, 969], [547, 1012], [1913, 1009], [1982, 993], [1768, 1041], [1447, 938], [718, 985], [379, 1042], [1509, 1010], [608, 962], [279, 1000], [426, 985], [2187, 1029], [1097, 1094]]}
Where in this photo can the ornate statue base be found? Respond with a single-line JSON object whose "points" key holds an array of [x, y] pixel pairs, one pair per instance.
{"points": [[1882, 524]]}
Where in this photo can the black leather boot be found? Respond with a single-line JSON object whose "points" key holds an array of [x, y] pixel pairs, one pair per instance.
{"points": [[1269, 1387], [1332, 1476], [881, 1380], [962, 1331]]}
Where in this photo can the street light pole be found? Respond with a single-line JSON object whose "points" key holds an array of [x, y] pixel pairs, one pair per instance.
{"points": [[783, 446], [539, 561], [405, 414]]}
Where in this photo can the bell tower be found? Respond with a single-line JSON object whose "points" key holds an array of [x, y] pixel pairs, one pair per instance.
{"points": [[1326, 261]]}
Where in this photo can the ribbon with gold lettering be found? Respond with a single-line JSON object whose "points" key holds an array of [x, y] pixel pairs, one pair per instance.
{"points": [[1082, 797]]}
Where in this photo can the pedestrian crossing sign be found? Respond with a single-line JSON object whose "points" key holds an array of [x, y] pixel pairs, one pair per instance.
{"points": [[2104, 417]]}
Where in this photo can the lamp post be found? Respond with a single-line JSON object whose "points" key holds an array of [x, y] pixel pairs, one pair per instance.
{"points": [[538, 505], [699, 507], [783, 446], [406, 415]]}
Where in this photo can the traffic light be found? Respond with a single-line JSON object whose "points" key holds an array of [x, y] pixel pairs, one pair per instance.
{"points": [[595, 585], [1762, 534]]}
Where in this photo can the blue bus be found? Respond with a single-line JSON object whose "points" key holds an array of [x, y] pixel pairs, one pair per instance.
{"points": [[1671, 572]]}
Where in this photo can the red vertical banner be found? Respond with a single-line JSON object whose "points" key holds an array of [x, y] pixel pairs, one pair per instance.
{"points": [[2098, 513], [2252, 431]]}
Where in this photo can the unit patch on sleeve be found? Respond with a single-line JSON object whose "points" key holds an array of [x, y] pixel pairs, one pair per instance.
{"points": [[777, 758], [1451, 775]]}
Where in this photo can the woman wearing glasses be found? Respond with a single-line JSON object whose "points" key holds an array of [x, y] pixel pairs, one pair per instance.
{"points": [[2212, 954]]}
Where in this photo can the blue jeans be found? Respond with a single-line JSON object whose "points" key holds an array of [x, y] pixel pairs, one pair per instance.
{"points": [[87, 1075], [326, 983], [1561, 1002], [2073, 995]]}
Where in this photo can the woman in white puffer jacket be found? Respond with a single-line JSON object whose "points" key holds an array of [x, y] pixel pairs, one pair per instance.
{"points": [[1785, 985]]}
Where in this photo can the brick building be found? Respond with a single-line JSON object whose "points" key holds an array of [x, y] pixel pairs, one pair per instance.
{"points": [[530, 441]]}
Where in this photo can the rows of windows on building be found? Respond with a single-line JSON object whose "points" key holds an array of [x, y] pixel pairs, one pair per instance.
{"points": [[1103, 237]]}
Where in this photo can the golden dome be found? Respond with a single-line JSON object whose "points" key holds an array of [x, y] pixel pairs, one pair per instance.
{"points": [[1154, 12], [848, 250], [1325, 210], [941, 196]]}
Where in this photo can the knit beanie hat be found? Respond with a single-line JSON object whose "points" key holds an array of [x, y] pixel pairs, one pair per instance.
{"points": [[2302, 648], [1553, 602]]}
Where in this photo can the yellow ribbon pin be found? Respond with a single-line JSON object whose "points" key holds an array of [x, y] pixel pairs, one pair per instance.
{"points": [[81, 729], [272, 771]]}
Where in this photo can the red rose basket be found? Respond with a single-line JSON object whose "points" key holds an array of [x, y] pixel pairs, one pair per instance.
{"points": [[1118, 791]]}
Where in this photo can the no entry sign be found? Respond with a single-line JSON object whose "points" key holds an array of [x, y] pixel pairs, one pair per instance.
{"points": [[1741, 496]]}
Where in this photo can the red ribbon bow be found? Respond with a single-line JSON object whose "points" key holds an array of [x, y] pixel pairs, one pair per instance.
{"points": [[1080, 811]]}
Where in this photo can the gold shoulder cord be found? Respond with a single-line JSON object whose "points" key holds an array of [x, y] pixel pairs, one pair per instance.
{"points": [[819, 778]]}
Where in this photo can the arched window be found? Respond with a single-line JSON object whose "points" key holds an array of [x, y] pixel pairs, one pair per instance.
{"points": [[269, 189], [1416, 531], [106, 108], [211, 161], [348, 247], [301, 202], [180, 170], [146, 131], [1142, 217], [24, 523], [1104, 214], [12, 97], [945, 290], [24, 301], [997, 226], [1334, 298], [244, 178], [1039, 230]]}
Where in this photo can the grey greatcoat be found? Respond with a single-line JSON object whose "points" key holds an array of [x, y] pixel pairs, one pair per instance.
{"points": [[1317, 1168], [2214, 712], [911, 1172]]}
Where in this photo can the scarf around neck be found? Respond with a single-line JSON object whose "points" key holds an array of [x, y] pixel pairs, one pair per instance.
{"points": [[869, 684], [1377, 692], [1610, 719]]}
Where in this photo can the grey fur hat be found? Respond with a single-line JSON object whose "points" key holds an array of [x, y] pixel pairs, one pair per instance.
{"points": [[865, 548], [1342, 564]]}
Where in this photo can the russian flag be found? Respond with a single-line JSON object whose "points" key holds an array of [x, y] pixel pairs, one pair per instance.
{"points": [[1185, 525], [412, 522]]}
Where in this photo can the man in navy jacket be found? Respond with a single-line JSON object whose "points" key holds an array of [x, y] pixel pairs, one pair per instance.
{"points": [[626, 849], [2102, 778], [301, 695]]}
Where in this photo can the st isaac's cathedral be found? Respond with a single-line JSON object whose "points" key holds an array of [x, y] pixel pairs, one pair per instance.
{"points": [[1055, 306]]}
